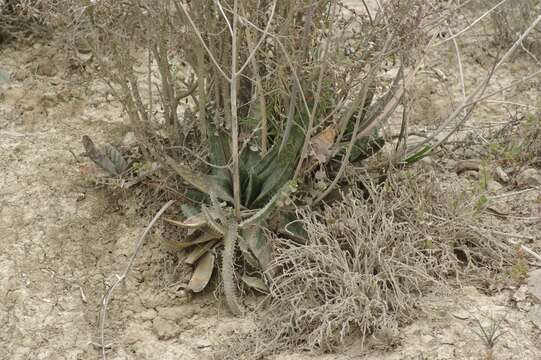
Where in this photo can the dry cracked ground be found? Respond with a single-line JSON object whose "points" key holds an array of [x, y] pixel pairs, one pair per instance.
{"points": [[63, 239]]}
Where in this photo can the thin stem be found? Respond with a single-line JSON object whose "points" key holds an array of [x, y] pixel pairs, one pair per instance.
{"points": [[317, 96], [181, 9], [108, 295], [293, 100], [253, 51], [472, 24], [234, 115], [261, 97]]}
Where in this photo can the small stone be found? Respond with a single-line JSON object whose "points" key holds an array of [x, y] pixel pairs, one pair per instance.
{"points": [[534, 284], [521, 294], [202, 343], [136, 333], [501, 174], [494, 186], [534, 315], [165, 329], [4, 77], [468, 165], [449, 164], [499, 208], [129, 139], [460, 314], [426, 162], [176, 313], [148, 314], [471, 174], [46, 68], [21, 74], [529, 178]]}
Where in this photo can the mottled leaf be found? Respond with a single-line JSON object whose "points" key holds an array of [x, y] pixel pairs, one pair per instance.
{"points": [[116, 158], [99, 157]]}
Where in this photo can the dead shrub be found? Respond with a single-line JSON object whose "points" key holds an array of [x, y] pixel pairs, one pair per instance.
{"points": [[518, 143], [21, 19], [368, 261], [511, 19]]}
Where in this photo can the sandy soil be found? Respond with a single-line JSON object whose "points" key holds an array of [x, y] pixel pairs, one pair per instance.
{"points": [[64, 239]]}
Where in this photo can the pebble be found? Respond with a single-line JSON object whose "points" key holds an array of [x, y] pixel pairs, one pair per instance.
{"points": [[534, 284], [46, 68], [4, 77], [21, 74], [534, 315], [165, 329], [471, 174], [129, 139], [494, 186], [501, 175], [529, 178], [148, 314], [176, 313]]}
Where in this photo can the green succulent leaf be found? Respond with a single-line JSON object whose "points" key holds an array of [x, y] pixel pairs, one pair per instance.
{"points": [[116, 158], [256, 249], [204, 183], [423, 152]]}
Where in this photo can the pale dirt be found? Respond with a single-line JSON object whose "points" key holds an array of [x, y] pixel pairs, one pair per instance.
{"points": [[63, 240]]}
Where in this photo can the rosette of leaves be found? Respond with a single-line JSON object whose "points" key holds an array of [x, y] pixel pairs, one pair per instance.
{"points": [[267, 184], [266, 187]]}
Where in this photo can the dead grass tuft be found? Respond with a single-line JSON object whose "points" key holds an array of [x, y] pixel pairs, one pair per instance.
{"points": [[518, 143], [22, 19], [511, 18], [368, 261]]}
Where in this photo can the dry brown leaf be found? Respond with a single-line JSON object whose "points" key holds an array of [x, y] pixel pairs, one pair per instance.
{"points": [[322, 143], [201, 239], [202, 273], [197, 253], [193, 222]]}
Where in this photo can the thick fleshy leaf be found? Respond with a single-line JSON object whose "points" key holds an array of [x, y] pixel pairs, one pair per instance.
{"points": [[193, 222], [421, 153], [279, 166], [116, 158], [255, 283], [257, 246], [202, 273], [291, 227], [99, 157], [201, 182], [201, 239], [198, 252]]}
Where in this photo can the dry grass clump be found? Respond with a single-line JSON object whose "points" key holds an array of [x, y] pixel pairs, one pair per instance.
{"points": [[519, 142], [367, 262], [511, 18], [21, 19]]}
